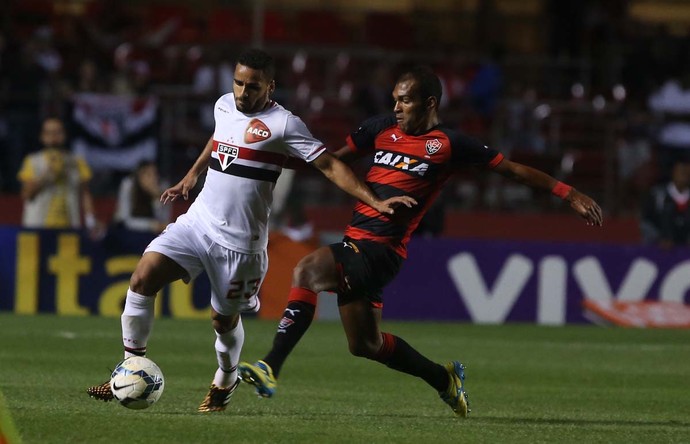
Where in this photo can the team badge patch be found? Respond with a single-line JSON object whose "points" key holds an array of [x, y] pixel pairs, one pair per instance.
{"points": [[226, 155], [256, 132], [432, 146]]}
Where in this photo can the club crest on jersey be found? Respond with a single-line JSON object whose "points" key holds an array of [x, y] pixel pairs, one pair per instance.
{"points": [[256, 132], [432, 146], [226, 155]]}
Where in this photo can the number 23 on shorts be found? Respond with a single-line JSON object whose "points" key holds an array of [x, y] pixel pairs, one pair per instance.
{"points": [[245, 289]]}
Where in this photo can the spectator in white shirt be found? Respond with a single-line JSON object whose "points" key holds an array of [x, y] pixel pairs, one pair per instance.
{"points": [[138, 204]]}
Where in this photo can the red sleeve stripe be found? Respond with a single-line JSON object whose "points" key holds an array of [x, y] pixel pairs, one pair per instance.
{"points": [[496, 160], [256, 155], [316, 153]]}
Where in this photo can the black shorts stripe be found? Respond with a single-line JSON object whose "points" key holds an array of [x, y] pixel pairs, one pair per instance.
{"points": [[246, 171]]}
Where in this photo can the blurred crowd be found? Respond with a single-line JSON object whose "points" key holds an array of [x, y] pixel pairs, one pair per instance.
{"points": [[603, 103]]}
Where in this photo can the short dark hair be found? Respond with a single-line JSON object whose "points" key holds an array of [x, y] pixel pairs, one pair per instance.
{"points": [[428, 83], [259, 60]]}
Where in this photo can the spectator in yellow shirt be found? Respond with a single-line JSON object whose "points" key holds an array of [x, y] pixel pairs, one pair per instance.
{"points": [[55, 184]]}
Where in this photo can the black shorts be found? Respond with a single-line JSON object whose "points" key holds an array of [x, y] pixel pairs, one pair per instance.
{"points": [[365, 267]]}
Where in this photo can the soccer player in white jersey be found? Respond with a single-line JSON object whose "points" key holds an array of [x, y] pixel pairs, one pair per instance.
{"points": [[224, 232]]}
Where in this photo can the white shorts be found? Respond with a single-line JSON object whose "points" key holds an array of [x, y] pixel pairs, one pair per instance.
{"points": [[235, 277]]}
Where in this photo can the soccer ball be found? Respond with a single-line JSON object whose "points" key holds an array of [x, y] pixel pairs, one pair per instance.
{"points": [[137, 382]]}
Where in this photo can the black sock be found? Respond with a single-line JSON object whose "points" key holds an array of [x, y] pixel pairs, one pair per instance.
{"points": [[296, 320], [399, 355]]}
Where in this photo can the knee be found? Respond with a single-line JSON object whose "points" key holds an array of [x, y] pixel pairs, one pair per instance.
{"points": [[220, 327], [316, 271], [140, 282], [137, 282], [303, 275], [223, 324], [363, 349]]}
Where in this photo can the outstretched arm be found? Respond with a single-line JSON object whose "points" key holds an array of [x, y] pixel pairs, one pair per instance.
{"points": [[341, 175], [188, 182], [345, 154], [584, 205]]}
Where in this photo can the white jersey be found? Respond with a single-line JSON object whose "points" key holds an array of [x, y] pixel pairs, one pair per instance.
{"points": [[249, 151]]}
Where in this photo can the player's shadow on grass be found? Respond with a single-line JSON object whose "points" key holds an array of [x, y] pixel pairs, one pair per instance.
{"points": [[578, 422], [476, 419]]}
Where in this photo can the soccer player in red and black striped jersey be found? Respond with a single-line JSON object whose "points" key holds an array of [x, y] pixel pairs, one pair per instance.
{"points": [[413, 155]]}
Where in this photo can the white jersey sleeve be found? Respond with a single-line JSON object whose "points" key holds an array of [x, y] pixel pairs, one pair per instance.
{"points": [[300, 141]]}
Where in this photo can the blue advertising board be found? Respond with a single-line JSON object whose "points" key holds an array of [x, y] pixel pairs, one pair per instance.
{"points": [[64, 272]]}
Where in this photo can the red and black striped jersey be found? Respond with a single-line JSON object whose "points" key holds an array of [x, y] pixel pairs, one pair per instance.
{"points": [[416, 166]]}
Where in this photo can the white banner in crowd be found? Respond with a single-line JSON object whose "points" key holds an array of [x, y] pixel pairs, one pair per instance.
{"points": [[114, 132]]}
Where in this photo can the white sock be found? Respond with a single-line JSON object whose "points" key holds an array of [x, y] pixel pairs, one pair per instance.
{"points": [[137, 321], [228, 348]]}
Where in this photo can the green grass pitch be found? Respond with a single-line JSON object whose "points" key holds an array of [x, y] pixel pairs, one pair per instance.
{"points": [[527, 384]]}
